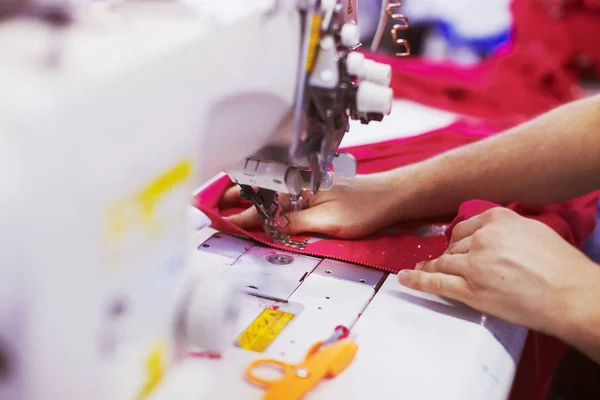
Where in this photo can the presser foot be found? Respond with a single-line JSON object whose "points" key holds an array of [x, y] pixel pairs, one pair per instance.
{"points": [[275, 220], [281, 238]]}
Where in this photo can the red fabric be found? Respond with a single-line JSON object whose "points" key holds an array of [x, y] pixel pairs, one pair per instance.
{"points": [[510, 87], [570, 219], [402, 246], [538, 70], [591, 4]]}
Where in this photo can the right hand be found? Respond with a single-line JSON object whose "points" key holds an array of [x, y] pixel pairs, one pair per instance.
{"points": [[352, 208]]}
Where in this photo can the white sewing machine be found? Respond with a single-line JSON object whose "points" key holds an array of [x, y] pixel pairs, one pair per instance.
{"points": [[110, 115]]}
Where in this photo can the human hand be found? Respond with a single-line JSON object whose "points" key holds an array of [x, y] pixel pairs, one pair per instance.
{"points": [[352, 208], [511, 267]]}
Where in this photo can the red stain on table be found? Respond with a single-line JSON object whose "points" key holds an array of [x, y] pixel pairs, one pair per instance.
{"points": [[211, 355]]}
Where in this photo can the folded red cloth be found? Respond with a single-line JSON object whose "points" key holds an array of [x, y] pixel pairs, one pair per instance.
{"points": [[570, 219], [404, 245], [536, 71]]}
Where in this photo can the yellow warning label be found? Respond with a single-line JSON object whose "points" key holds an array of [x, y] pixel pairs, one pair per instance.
{"points": [[350, 9], [315, 34], [264, 330]]}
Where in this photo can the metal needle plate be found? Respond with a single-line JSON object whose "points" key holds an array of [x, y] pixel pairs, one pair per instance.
{"points": [[350, 272], [226, 246]]}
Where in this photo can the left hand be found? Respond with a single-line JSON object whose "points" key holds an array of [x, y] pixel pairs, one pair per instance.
{"points": [[346, 211], [508, 266]]}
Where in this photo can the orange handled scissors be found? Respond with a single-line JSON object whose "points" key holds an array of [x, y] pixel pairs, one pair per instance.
{"points": [[325, 359]]}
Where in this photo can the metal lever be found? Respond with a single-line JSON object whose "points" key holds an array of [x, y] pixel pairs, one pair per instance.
{"points": [[387, 10], [275, 220]]}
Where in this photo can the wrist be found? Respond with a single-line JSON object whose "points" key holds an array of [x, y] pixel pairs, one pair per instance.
{"points": [[578, 323], [409, 194]]}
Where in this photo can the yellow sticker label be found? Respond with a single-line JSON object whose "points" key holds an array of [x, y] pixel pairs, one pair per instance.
{"points": [[315, 34], [350, 9], [139, 208], [149, 195], [155, 370], [137, 218], [264, 330]]}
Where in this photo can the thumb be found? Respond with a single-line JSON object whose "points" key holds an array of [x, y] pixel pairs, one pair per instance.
{"points": [[437, 283]]}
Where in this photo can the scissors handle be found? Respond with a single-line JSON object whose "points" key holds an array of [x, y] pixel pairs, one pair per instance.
{"points": [[285, 368], [321, 362]]}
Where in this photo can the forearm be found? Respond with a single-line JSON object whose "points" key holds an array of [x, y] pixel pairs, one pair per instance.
{"points": [[551, 158]]}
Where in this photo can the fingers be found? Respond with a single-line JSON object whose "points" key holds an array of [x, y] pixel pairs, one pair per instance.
{"points": [[450, 286], [492, 216], [300, 222], [247, 219], [308, 220], [231, 197], [466, 228], [453, 264], [460, 247]]}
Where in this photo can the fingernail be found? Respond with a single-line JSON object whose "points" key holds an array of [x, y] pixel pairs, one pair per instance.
{"points": [[419, 265], [404, 277]]}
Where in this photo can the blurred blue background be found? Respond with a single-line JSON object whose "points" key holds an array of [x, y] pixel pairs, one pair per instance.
{"points": [[464, 31]]}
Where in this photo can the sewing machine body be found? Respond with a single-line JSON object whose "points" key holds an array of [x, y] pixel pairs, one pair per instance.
{"points": [[106, 127]]}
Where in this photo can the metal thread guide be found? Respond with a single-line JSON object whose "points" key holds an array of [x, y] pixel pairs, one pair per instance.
{"points": [[388, 10]]}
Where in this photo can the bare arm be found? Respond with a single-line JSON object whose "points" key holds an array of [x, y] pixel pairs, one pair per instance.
{"points": [[489, 263], [549, 159]]}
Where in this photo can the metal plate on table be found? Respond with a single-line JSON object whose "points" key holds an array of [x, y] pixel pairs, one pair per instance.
{"points": [[351, 272], [226, 245], [271, 273]]}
